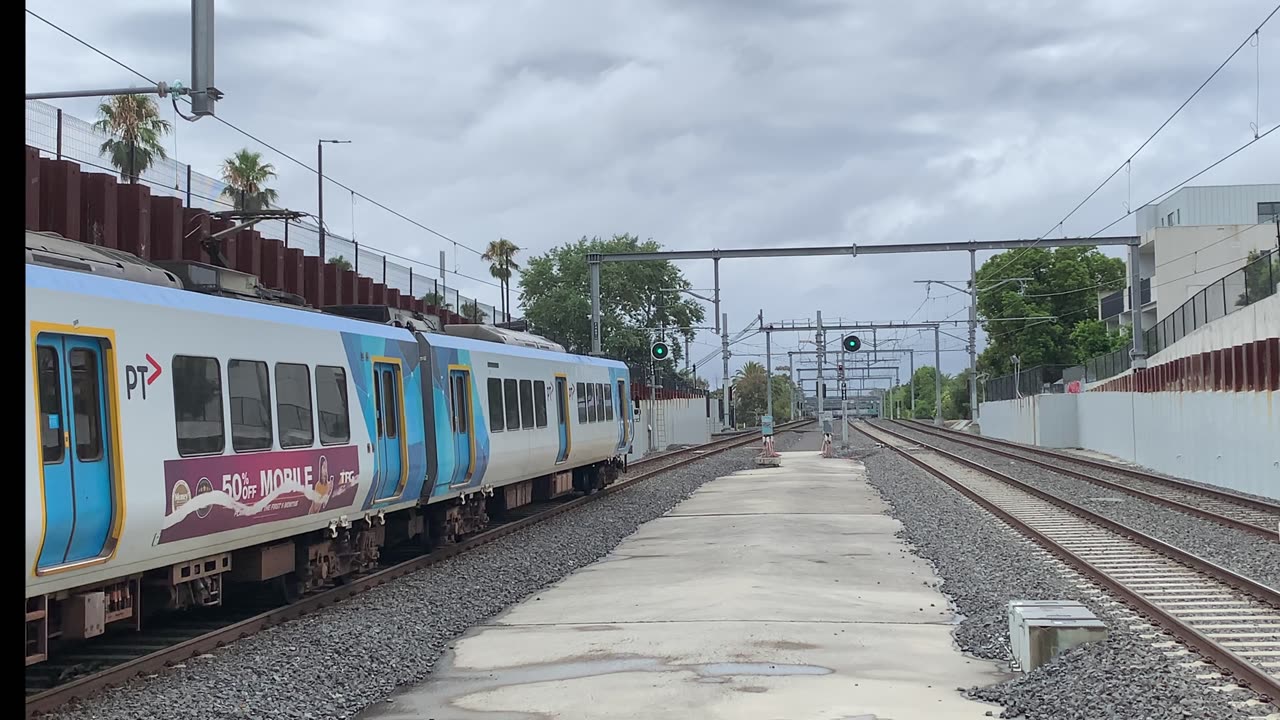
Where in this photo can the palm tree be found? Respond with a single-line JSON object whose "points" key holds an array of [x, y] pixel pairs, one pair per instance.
{"points": [[135, 127], [341, 262], [436, 300], [749, 371], [501, 253], [471, 311], [244, 173]]}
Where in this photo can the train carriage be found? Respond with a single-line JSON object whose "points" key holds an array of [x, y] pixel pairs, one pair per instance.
{"points": [[180, 442]]}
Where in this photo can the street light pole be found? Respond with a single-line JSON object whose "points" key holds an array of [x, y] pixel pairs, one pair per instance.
{"points": [[320, 191]]}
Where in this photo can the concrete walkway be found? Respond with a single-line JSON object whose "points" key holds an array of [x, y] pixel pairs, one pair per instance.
{"points": [[773, 593]]}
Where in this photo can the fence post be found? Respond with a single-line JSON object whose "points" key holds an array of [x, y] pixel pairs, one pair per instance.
{"points": [[384, 270], [410, 281], [59, 131], [357, 261], [286, 233], [188, 186]]}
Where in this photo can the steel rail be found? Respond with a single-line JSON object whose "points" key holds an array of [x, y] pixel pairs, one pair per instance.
{"points": [[1246, 673], [49, 700], [1269, 532]]}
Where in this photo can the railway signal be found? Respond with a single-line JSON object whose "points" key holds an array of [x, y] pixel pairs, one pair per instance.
{"points": [[851, 343], [660, 351]]}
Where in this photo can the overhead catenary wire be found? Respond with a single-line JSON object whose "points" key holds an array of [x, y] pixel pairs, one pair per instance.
{"points": [[273, 148], [1127, 161]]}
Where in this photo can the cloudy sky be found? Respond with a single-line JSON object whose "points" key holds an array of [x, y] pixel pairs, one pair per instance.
{"points": [[711, 123]]}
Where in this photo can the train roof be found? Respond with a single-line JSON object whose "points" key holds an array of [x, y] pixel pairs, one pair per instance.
{"points": [[85, 283], [89, 284]]}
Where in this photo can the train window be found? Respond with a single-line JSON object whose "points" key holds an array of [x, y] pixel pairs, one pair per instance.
{"points": [[591, 403], [250, 393], [51, 425], [197, 405], [540, 403], [495, 405], [512, 396], [608, 403], [331, 405], [526, 403], [599, 402], [391, 399], [582, 403], [461, 386], [85, 404], [293, 405]]}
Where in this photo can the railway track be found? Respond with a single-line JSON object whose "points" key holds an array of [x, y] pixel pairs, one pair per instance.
{"points": [[52, 684], [1230, 620], [1251, 515]]}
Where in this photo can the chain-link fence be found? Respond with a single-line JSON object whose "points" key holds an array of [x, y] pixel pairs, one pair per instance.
{"points": [[1032, 381], [58, 135]]}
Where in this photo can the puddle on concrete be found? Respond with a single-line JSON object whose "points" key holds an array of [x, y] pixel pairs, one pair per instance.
{"points": [[436, 697]]}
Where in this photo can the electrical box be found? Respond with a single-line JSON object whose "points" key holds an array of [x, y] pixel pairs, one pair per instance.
{"points": [[1040, 630], [84, 616]]}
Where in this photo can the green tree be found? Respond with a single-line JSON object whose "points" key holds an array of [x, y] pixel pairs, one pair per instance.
{"points": [[501, 254], [341, 262], [690, 380], [750, 394], [1091, 338], [435, 299], [471, 311], [1260, 278], [135, 127], [556, 295], [1061, 282], [245, 175]]}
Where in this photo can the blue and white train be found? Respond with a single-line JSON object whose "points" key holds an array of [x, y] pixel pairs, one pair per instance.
{"points": [[183, 438]]}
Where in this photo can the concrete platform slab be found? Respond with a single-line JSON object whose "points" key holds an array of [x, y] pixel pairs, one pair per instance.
{"points": [[771, 593]]}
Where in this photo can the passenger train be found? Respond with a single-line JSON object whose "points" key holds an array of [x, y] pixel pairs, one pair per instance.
{"points": [[189, 434]]}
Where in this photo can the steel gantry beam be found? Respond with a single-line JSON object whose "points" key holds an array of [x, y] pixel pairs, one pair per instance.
{"points": [[1138, 352], [821, 329]]}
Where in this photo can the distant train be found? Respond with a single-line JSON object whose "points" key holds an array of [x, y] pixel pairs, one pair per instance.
{"points": [[181, 441]]}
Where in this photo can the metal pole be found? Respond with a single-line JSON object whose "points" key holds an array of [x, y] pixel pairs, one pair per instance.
{"points": [[189, 192], [937, 377], [1139, 352], [160, 89], [356, 264], [444, 292], [320, 196], [897, 380], [715, 263], [768, 370], [59, 133], [912, 354], [384, 272], [724, 378], [844, 422], [973, 335], [822, 354], [594, 267], [411, 281]]}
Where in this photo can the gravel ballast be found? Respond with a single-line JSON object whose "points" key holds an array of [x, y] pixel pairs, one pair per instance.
{"points": [[335, 662], [984, 564], [1253, 556]]}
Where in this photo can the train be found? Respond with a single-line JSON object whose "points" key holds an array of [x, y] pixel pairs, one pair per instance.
{"points": [[191, 434]]}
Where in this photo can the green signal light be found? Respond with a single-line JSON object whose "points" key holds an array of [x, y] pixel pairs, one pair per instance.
{"points": [[852, 343], [660, 351]]}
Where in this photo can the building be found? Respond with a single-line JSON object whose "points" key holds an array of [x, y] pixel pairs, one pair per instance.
{"points": [[1191, 239]]}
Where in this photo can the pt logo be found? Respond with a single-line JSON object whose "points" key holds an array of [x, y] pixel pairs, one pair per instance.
{"points": [[138, 377]]}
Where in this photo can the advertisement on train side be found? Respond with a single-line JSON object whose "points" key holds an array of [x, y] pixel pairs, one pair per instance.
{"points": [[226, 492]]}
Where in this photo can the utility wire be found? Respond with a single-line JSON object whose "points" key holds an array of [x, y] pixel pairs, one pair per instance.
{"points": [[269, 146], [1151, 137], [1215, 164]]}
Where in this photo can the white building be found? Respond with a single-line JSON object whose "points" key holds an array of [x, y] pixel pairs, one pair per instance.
{"points": [[1193, 238]]}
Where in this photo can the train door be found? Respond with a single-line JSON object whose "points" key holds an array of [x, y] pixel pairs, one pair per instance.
{"points": [[623, 418], [390, 429], [562, 417], [460, 422], [75, 440]]}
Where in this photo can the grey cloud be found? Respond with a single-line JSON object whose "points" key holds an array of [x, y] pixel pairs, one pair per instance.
{"points": [[718, 123]]}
